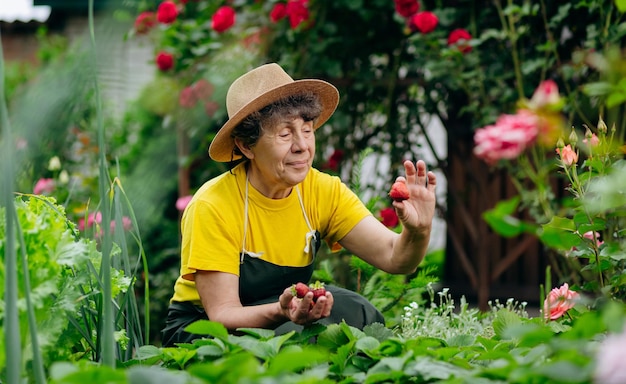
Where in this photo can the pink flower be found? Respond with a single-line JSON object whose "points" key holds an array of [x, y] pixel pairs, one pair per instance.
{"points": [[389, 218], [167, 12], [424, 22], [223, 19], [164, 61], [210, 107], [202, 89], [92, 218], [278, 12], [297, 12], [144, 22], [568, 155], [407, 8], [610, 357], [187, 98], [591, 235], [546, 95], [44, 186], [127, 224], [182, 202], [559, 301], [593, 141], [460, 38], [507, 139]]}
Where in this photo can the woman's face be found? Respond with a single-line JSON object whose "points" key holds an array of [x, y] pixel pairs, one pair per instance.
{"points": [[282, 156]]}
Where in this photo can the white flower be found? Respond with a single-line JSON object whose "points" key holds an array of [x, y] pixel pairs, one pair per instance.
{"points": [[54, 164], [610, 367]]}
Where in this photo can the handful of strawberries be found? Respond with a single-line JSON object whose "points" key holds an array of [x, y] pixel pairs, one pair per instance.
{"points": [[300, 290]]}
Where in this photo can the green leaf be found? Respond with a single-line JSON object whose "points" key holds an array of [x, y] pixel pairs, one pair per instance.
{"points": [[295, 359], [500, 219], [559, 233], [621, 5], [209, 328], [503, 320]]}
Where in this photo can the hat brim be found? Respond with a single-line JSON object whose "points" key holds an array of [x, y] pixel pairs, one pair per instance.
{"points": [[221, 148]]}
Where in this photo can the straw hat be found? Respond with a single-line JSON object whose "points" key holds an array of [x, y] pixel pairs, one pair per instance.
{"points": [[259, 88]]}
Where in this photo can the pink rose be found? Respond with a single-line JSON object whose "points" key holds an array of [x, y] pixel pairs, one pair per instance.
{"points": [[202, 89], [591, 235], [165, 61], [167, 12], [546, 95], [568, 155], [592, 141], [559, 301], [507, 138], [182, 202], [223, 19], [187, 98], [297, 12], [425, 22], [407, 8], [144, 22], [460, 37], [210, 107], [278, 12], [389, 217]]}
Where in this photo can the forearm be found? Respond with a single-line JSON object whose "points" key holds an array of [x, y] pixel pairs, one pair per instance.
{"points": [[256, 316], [409, 249]]}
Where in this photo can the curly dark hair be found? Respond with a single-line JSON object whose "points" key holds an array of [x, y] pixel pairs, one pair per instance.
{"points": [[306, 105]]}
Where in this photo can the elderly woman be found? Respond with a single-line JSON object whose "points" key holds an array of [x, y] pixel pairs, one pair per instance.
{"points": [[251, 233]]}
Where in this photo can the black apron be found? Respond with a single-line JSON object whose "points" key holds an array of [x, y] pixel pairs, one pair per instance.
{"points": [[261, 282]]}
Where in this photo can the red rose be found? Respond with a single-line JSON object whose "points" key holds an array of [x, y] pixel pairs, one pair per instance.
{"points": [[460, 37], [298, 12], [389, 218], [223, 19], [165, 61], [167, 12], [144, 22], [334, 160], [424, 22], [278, 12], [407, 8]]}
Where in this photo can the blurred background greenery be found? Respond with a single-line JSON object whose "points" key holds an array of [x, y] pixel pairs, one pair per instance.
{"points": [[405, 94]]}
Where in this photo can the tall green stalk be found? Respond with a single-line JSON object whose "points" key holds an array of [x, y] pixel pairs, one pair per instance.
{"points": [[107, 324], [13, 348]]}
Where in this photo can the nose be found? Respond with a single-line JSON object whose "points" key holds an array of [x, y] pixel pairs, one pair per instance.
{"points": [[300, 143]]}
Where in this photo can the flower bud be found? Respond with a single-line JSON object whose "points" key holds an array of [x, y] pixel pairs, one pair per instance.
{"points": [[588, 134], [602, 126], [560, 143], [573, 137], [54, 164]]}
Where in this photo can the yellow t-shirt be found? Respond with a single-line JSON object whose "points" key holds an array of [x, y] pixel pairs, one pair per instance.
{"points": [[213, 224]]}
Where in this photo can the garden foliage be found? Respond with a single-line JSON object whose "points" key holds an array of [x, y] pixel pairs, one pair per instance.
{"points": [[399, 65]]}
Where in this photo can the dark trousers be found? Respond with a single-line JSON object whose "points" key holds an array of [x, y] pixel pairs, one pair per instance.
{"points": [[348, 306]]}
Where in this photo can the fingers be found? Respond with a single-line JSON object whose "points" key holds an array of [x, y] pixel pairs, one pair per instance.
{"points": [[432, 181], [416, 173], [307, 311]]}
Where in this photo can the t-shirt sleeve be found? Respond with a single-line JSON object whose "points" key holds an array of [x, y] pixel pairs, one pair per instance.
{"points": [[345, 209], [208, 244]]}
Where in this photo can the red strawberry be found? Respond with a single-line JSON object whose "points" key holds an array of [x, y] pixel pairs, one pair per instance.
{"points": [[318, 290], [399, 191], [300, 290]]}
